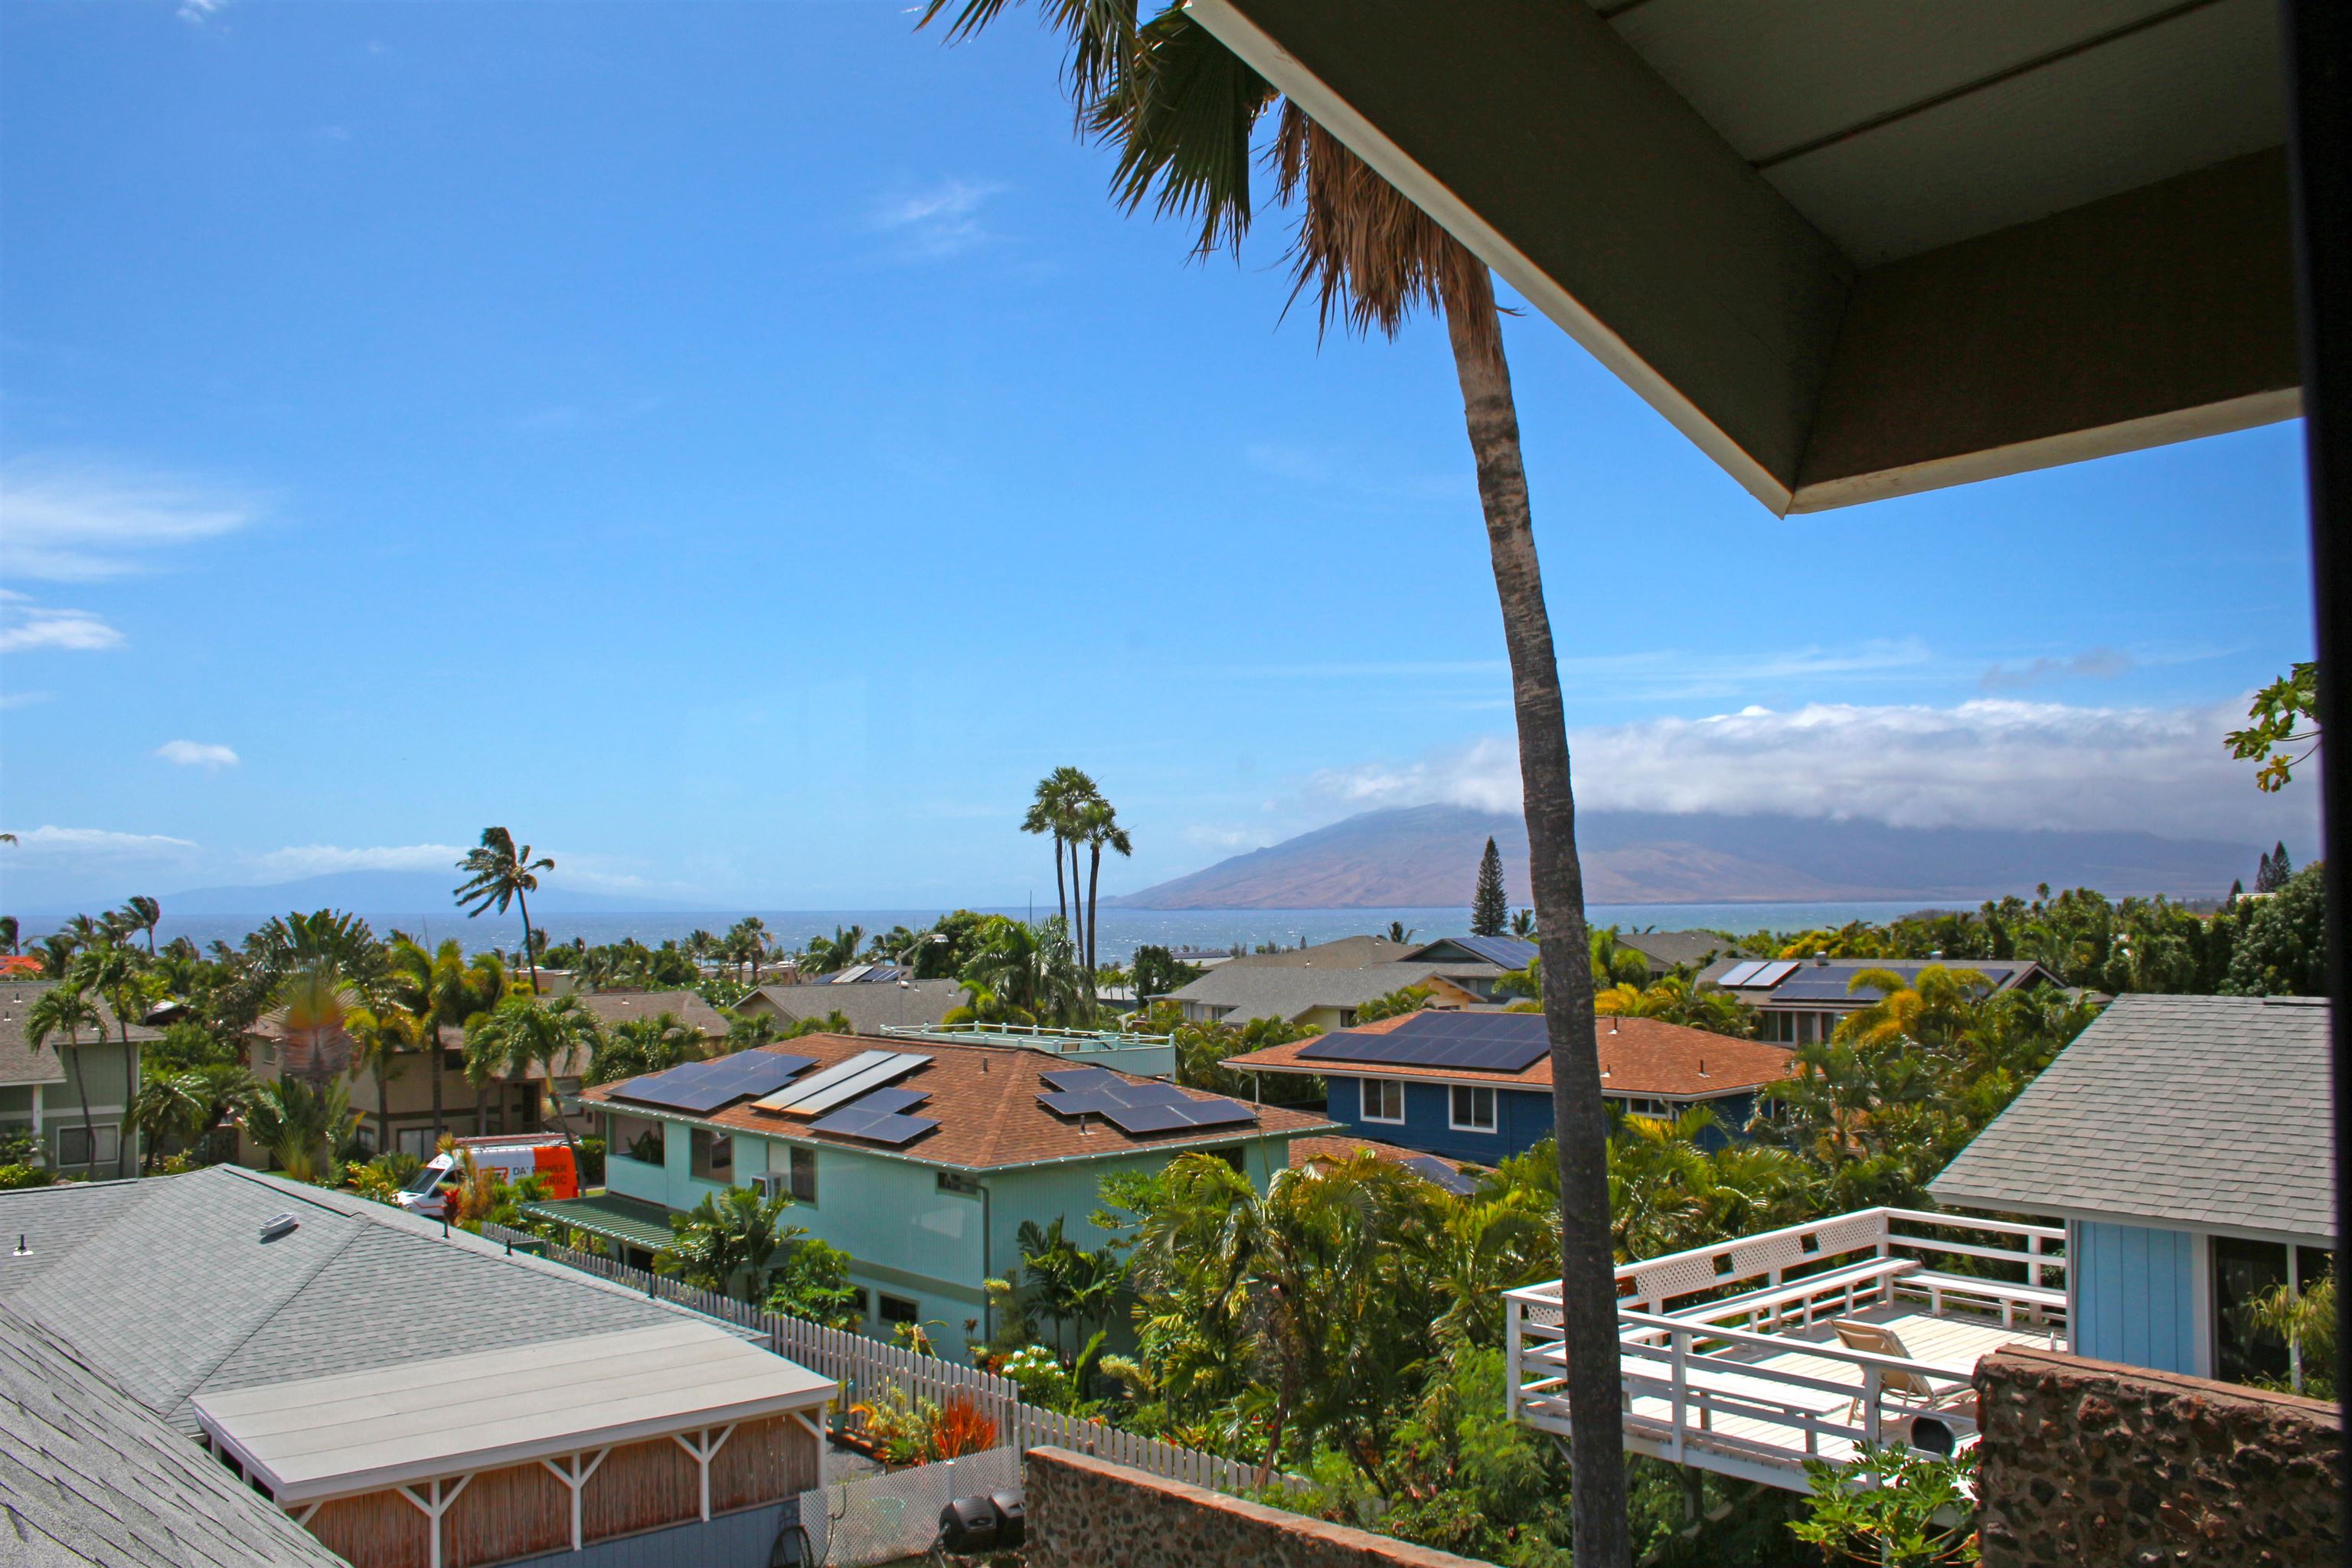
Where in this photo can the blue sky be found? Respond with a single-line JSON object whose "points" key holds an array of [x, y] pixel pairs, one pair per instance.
{"points": [[738, 446]]}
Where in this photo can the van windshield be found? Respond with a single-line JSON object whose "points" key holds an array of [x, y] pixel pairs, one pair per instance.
{"points": [[422, 1183]]}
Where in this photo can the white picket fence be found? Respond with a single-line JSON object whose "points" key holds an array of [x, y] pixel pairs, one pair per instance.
{"points": [[864, 1367]]}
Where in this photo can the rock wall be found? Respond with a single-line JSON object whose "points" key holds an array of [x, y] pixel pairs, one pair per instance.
{"points": [[1085, 1513], [2086, 1463]]}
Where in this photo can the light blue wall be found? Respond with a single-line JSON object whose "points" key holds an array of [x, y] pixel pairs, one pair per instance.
{"points": [[2135, 1297]]}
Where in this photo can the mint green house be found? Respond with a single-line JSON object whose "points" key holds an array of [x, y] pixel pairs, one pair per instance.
{"points": [[921, 1159], [42, 1090]]}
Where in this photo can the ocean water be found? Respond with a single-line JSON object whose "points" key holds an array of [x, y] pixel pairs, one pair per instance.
{"points": [[1120, 931]]}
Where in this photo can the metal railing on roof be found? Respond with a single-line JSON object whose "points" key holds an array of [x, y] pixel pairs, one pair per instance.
{"points": [[1034, 1036]]}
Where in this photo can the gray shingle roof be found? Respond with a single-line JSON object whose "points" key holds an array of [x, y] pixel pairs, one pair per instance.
{"points": [[1676, 947], [867, 1008], [165, 1284], [89, 1475], [1286, 993], [19, 1062], [2198, 1110]]}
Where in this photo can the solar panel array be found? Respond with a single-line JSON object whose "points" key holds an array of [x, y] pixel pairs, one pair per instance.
{"points": [[1429, 1168], [872, 1126], [1136, 1108], [1473, 1042], [702, 1087], [842, 1082]]}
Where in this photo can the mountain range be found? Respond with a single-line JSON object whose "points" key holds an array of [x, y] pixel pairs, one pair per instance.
{"points": [[1427, 856]]}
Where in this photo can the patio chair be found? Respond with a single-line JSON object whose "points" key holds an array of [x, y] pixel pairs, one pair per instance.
{"points": [[1910, 1390]]}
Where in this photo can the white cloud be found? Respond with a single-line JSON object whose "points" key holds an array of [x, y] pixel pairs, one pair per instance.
{"points": [[197, 12], [317, 859], [942, 221], [86, 841], [1985, 763], [197, 754], [26, 625], [80, 521]]}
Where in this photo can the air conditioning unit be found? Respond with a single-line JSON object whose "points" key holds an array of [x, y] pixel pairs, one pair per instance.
{"points": [[771, 1185]]}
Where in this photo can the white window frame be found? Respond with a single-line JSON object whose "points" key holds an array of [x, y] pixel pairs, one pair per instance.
{"points": [[1494, 1107], [1365, 1087]]}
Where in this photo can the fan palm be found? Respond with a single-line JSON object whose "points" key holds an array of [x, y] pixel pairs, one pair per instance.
{"points": [[498, 874], [1182, 111], [314, 1004], [64, 1009]]}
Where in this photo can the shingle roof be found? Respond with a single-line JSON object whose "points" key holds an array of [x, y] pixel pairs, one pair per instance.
{"points": [[1286, 993], [1340, 952], [867, 1008], [611, 1007], [89, 1475], [1638, 1057], [2201, 1110], [1676, 947], [165, 1283], [19, 1062], [985, 1099], [1502, 952]]}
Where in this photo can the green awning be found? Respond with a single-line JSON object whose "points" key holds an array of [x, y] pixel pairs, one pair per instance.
{"points": [[631, 1220]]}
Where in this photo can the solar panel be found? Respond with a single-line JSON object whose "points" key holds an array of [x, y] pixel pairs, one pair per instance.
{"points": [[893, 1065], [1739, 974], [829, 1077], [1772, 973], [1136, 1119], [874, 1126], [1473, 1042], [703, 1086], [891, 1100], [1429, 1168], [1080, 1077]]}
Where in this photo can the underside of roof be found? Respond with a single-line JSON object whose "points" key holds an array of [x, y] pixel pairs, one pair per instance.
{"points": [[1850, 250]]}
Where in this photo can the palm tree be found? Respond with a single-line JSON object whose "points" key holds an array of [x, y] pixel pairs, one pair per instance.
{"points": [[1399, 933], [9, 933], [830, 954], [442, 989], [1097, 824], [1182, 111], [383, 1036], [302, 1125], [498, 874], [639, 1046], [521, 1032], [65, 1008], [1060, 797], [725, 1236], [170, 1108], [314, 1004], [140, 913]]}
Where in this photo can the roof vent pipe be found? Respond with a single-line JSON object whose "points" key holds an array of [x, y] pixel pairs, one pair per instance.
{"points": [[23, 1250], [281, 1224], [1822, 960]]}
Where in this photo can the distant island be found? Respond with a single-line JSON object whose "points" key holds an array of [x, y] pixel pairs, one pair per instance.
{"points": [[1427, 855]]}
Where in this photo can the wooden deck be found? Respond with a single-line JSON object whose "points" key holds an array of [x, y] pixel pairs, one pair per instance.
{"points": [[1755, 1383]]}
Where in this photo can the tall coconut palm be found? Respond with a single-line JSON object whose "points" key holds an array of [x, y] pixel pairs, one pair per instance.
{"points": [[383, 1038], [1097, 828], [521, 1032], [65, 1009], [1183, 113], [441, 988], [1054, 811], [498, 874], [140, 913], [9, 934]]}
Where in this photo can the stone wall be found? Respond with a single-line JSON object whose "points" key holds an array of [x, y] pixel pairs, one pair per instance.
{"points": [[1085, 1513], [2088, 1463]]}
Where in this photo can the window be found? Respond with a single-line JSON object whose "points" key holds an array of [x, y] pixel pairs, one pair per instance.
{"points": [[2244, 1271], [1384, 1100], [864, 1300], [958, 1182], [804, 1181], [1232, 1155], [714, 1156], [636, 1138], [1347, 1017], [898, 1309], [1474, 1109], [75, 1145]]}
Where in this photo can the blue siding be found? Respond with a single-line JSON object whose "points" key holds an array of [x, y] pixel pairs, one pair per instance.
{"points": [[1522, 1119], [2134, 1294]]}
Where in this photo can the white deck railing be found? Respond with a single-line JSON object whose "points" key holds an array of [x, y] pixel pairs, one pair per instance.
{"points": [[1718, 1348]]}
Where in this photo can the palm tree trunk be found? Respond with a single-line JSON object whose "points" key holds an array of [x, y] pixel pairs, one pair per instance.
{"points": [[1061, 898], [1094, 885], [81, 1083], [382, 1107], [439, 1063], [1588, 1284], [529, 957], [129, 1092]]}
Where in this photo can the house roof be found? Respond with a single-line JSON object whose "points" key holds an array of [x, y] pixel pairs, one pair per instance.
{"points": [[2198, 1110], [1673, 948], [1340, 952], [19, 1061], [1638, 1056], [611, 1007], [1502, 952], [89, 1475], [984, 1098], [1817, 983], [389, 1425], [867, 1008], [1286, 993], [166, 1285], [1447, 1173]]}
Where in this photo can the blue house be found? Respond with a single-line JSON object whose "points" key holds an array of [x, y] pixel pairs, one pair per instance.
{"points": [[1476, 1087], [2184, 1141]]}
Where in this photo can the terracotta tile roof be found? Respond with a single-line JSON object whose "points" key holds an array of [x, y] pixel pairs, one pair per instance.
{"points": [[1330, 1146], [985, 1099], [1638, 1056]]}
